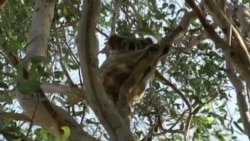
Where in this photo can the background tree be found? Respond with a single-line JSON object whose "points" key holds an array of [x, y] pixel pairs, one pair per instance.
{"points": [[199, 91]]}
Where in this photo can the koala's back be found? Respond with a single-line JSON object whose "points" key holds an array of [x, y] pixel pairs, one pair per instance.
{"points": [[113, 78], [115, 71]]}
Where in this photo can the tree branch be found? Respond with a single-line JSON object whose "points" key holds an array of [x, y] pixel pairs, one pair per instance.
{"points": [[98, 100], [77, 94], [241, 96], [37, 106], [184, 98]]}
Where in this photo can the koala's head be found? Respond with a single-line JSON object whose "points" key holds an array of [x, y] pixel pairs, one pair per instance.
{"points": [[120, 43]]}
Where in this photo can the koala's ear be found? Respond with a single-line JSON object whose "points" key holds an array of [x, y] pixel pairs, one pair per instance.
{"points": [[115, 41], [147, 41]]}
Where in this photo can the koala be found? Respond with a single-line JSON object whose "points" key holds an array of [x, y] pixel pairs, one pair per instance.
{"points": [[125, 54]]}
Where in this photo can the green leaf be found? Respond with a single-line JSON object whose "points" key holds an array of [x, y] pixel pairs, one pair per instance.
{"points": [[245, 1], [28, 86], [3, 85], [40, 59], [164, 5], [7, 99], [12, 46], [73, 66], [58, 74], [66, 133], [89, 121], [172, 6]]}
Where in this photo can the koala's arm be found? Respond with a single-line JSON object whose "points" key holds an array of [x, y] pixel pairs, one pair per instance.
{"points": [[138, 78]]}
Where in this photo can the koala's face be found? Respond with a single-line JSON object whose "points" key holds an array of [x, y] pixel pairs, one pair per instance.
{"points": [[119, 43]]}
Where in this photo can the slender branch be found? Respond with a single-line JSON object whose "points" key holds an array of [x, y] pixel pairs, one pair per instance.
{"points": [[77, 94], [15, 116], [179, 32], [184, 98], [117, 6], [69, 79]]}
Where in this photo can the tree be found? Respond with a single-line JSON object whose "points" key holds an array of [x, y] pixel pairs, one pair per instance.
{"points": [[49, 66]]}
